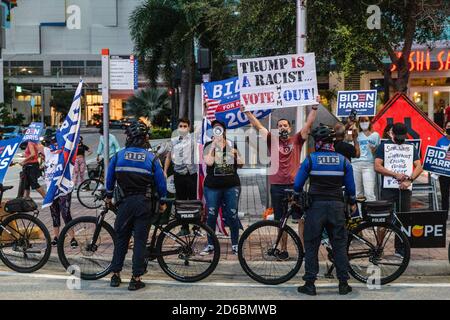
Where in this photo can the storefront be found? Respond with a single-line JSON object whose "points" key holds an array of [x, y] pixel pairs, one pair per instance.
{"points": [[429, 83]]}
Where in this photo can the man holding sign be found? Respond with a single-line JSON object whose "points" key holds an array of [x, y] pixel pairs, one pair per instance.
{"points": [[399, 164]]}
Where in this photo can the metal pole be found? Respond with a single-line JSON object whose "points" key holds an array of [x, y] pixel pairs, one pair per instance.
{"points": [[42, 106], [105, 98], [301, 48]]}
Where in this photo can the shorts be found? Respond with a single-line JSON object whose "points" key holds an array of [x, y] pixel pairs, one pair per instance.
{"points": [[31, 173]]}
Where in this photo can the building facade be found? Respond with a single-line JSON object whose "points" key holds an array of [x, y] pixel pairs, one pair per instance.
{"points": [[51, 44]]}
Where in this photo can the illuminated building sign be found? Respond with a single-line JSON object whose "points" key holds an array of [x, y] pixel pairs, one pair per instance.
{"points": [[420, 60]]}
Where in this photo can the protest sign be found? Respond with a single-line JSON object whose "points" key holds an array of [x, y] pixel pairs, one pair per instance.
{"points": [[363, 101], [437, 160], [223, 103], [33, 132], [7, 150], [417, 143], [278, 82], [399, 159]]}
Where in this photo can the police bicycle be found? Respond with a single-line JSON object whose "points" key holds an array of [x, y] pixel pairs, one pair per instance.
{"points": [[377, 248], [178, 256], [25, 243]]}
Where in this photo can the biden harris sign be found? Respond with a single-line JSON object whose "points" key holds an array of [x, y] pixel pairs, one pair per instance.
{"points": [[437, 160], [363, 101]]}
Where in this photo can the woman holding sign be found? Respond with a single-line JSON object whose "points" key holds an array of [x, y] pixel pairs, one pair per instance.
{"points": [[444, 181]]}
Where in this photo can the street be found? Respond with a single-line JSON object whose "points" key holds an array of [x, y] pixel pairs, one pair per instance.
{"points": [[55, 286]]}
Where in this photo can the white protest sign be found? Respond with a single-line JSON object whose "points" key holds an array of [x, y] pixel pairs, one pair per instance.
{"points": [[399, 159], [278, 82]]}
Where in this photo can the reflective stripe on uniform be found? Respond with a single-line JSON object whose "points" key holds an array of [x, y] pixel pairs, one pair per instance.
{"points": [[326, 173], [132, 169]]}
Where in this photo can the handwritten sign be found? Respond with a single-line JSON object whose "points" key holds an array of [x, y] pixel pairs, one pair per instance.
{"points": [[399, 159], [278, 82]]}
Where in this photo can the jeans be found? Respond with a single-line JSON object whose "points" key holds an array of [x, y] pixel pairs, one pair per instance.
{"points": [[133, 218], [365, 178], [228, 199], [329, 216], [277, 195], [444, 184]]}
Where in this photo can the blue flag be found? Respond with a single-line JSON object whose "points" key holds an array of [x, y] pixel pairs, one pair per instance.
{"points": [[67, 136], [7, 150]]}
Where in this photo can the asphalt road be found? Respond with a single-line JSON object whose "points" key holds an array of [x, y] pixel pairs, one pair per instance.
{"points": [[61, 287]]}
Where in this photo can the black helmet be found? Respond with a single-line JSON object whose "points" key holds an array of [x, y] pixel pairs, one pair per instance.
{"points": [[323, 133], [137, 129]]}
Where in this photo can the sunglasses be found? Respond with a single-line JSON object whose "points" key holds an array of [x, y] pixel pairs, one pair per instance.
{"points": [[182, 126]]}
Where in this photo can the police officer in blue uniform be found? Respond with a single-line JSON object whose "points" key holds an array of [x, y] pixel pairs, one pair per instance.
{"points": [[140, 183], [327, 171]]}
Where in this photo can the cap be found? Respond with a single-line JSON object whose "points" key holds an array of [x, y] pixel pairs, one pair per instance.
{"points": [[219, 123], [399, 129]]}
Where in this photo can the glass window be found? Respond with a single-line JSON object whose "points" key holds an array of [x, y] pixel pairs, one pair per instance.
{"points": [[94, 68], [73, 68], [27, 68]]}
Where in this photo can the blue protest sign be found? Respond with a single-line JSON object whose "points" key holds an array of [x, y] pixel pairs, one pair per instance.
{"points": [[223, 103], [363, 101], [7, 150], [33, 132], [437, 160]]}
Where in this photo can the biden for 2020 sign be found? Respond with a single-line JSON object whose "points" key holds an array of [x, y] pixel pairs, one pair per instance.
{"points": [[363, 101]]}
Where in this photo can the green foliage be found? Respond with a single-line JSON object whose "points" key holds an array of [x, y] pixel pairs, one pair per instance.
{"points": [[148, 103], [10, 120], [160, 133], [62, 101]]}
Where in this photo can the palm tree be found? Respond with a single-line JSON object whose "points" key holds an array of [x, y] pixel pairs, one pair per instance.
{"points": [[163, 39], [148, 103]]}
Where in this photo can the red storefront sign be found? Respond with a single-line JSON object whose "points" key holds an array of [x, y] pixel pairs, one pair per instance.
{"points": [[420, 60], [401, 109]]}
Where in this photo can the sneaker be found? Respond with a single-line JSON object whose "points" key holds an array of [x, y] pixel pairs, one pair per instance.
{"points": [[115, 281], [234, 249], [308, 288], [344, 288], [55, 241], [135, 284], [208, 249], [73, 243], [283, 255]]}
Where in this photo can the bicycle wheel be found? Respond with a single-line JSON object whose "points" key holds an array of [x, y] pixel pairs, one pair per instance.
{"points": [[91, 193], [93, 259], [24, 243], [377, 252], [260, 258], [179, 256]]}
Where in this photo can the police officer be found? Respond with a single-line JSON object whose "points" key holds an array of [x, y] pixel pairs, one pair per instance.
{"points": [[139, 176], [327, 171]]}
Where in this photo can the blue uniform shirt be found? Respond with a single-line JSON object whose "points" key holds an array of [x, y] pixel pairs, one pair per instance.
{"points": [[328, 172], [135, 169]]}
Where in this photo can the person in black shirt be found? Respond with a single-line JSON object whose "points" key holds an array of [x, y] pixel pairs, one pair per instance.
{"points": [[346, 149], [80, 162], [222, 185]]}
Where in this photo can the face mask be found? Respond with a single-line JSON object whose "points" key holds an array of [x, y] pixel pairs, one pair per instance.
{"points": [[447, 131], [364, 125], [284, 134]]}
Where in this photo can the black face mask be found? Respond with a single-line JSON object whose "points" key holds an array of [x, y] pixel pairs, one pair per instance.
{"points": [[447, 131], [399, 140], [284, 134]]}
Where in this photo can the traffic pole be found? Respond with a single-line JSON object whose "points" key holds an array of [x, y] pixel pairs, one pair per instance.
{"points": [[301, 48], [105, 98]]}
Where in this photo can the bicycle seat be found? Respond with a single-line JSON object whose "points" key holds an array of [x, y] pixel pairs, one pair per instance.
{"points": [[361, 200], [5, 188]]}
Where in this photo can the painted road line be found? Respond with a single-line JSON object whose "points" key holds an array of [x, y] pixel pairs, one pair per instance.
{"points": [[227, 284]]}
